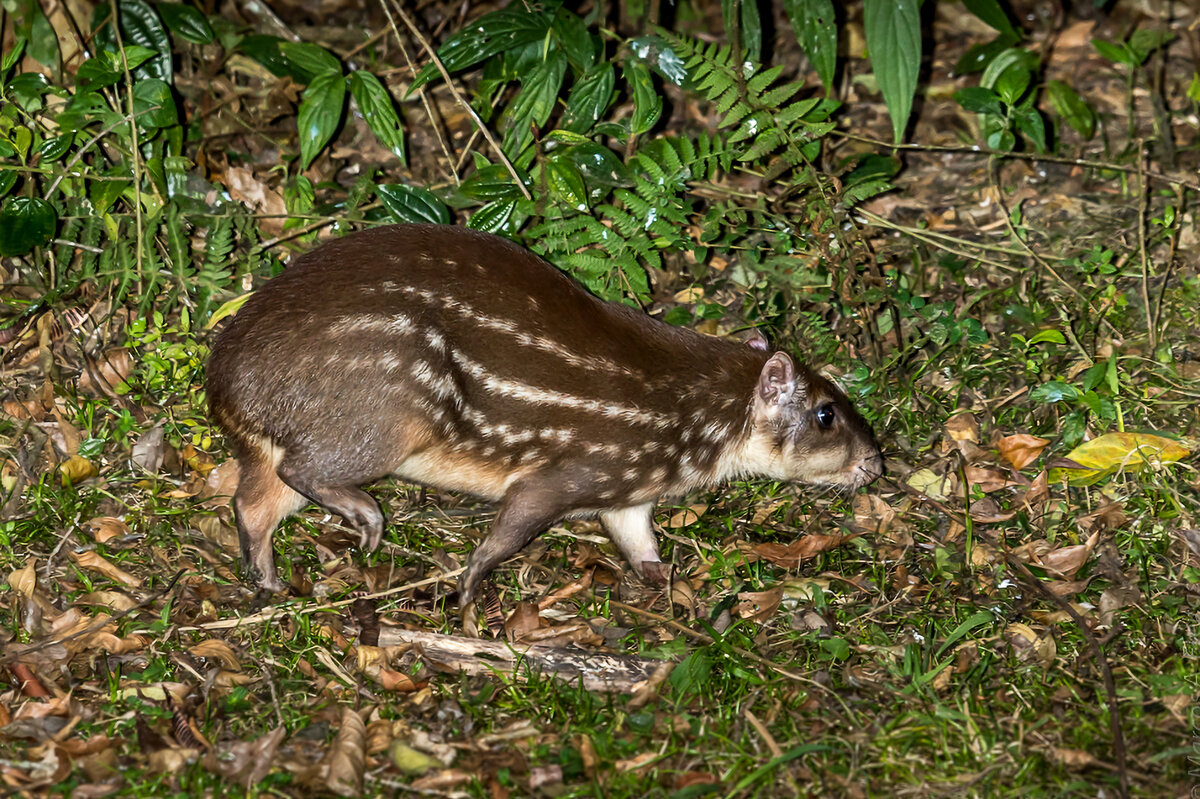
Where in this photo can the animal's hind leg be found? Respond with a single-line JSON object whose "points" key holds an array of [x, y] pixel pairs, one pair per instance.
{"points": [[357, 507], [261, 502]]}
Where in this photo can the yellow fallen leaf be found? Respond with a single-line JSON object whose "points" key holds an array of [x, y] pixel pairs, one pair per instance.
{"points": [[1114, 452], [76, 469], [929, 483]]}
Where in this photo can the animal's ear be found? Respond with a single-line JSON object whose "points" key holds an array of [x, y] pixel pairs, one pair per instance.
{"points": [[757, 341], [777, 381]]}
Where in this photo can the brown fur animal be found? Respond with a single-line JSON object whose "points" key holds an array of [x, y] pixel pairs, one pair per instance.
{"points": [[457, 359]]}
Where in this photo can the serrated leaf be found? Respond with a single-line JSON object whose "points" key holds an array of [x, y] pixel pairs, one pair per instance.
{"points": [[647, 102], [815, 25], [490, 34], [25, 223], [1114, 452], [320, 112], [493, 217], [187, 21], [375, 103], [893, 33], [412, 204], [539, 93], [590, 97]]}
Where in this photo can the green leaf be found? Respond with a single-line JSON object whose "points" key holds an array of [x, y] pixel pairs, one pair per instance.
{"points": [[539, 93], [1012, 83], [1072, 108], [1029, 121], [1050, 335], [991, 12], [153, 104], [139, 25], [53, 149], [378, 110], [95, 74], [599, 165], [36, 29], [1144, 41], [493, 217], [815, 25], [571, 34], [776, 762], [104, 193], [977, 619], [978, 56], [25, 223], [266, 51], [187, 21], [8, 179], [979, 100], [13, 54], [692, 673], [1013, 58], [590, 97], [647, 102], [320, 112], [491, 182], [566, 183], [492, 33], [748, 22], [310, 61], [135, 56], [412, 204], [1114, 452], [893, 32], [1054, 391], [1116, 53]]}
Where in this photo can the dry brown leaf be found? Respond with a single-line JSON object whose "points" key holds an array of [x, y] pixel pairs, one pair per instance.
{"points": [[987, 479], [107, 373], [246, 763], [522, 621], [247, 189], [443, 781], [637, 763], [218, 650], [687, 516], [106, 528], [346, 758], [767, 511], [790, 556], [93, 561], [24, 580], [149, 449], [1068, 560], [1021, 449], [113, 600], [963, 427], [759, 605], [1073, 758]]}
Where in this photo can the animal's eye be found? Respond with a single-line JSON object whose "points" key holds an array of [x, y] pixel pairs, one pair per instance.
{"points": [[825, 416]]}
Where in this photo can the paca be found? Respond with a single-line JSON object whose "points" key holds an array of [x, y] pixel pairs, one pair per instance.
{"points": [[457, 359]]}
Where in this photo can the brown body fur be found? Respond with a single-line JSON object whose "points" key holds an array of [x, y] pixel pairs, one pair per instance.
{"points": [[459, 360]]}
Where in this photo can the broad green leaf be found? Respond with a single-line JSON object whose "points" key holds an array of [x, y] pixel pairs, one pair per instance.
{"points": [[1144, 41], [95, 74], [1013, 58], [36, 29], [979, 100], [1051, 335], [154, 104], [187, 21], [1114, 452], [893, 32], [647, 102], [139, 25], [377, 109], [103, 193], [493, 217], [1012, 83], [692, 673], [320, 112], [53, 149], [1054, 391], [8, 179], [599, 165], [1029, 121], [532, 106], [412, 204], [309, 60], [491, 182], [590, 97], [977, 619], [25, 223], [1072, 108], [490, 34], [1116, 53], [978, 56], [573, 38], [566, 183], [815, 25], [266, 51], [991, 12]]}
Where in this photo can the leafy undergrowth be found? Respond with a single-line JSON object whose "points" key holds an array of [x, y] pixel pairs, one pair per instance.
{"points": [[987, 620]]}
